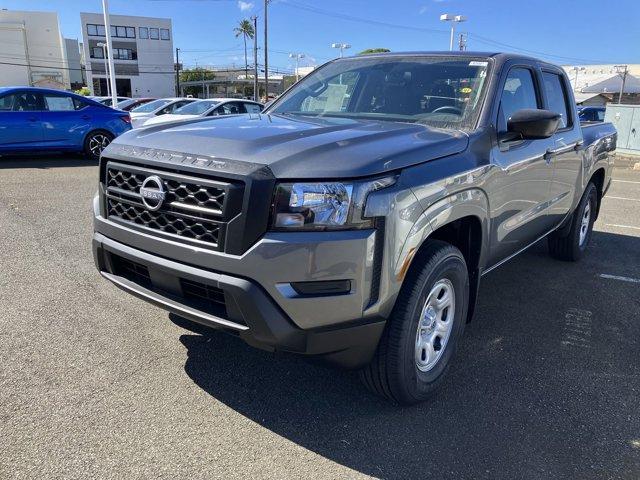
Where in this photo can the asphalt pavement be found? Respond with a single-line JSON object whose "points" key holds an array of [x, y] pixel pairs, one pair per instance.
{"points": [[97, 384]]}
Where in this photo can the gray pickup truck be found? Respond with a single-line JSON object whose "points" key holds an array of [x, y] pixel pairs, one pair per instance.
{"points": [[354, 218]]}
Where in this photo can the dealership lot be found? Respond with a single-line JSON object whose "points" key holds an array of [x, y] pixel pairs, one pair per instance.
{"points": [[95, 383]]}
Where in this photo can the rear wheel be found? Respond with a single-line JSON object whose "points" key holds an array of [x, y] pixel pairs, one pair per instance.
{"points": [[96, 142], [572, 245], [422, 333]]}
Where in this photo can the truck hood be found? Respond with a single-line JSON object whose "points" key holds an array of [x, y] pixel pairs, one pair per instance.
{"points": [[294, 147]]}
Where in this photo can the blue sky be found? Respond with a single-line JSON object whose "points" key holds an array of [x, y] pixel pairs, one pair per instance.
{"points": [[563, 31]]}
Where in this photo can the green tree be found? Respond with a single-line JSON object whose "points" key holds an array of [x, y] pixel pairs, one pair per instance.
{"points": [[374, 50], [197, 74], [245, 28], [84, 91]]}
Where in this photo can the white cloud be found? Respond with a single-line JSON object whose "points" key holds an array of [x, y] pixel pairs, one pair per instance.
{"points": [[244, 6], [423, 9]]}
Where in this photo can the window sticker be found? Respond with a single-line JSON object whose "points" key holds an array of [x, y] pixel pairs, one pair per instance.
{"points": [[478, 64]]}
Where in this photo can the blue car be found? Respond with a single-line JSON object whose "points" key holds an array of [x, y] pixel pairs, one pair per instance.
{"points": [[39, 119]]}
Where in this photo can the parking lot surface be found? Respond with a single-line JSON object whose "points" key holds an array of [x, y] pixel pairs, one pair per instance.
{"points": [[97, 384]]}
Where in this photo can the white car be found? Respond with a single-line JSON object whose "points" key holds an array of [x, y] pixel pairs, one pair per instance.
{"points": [[208, 108], [162, 106]]}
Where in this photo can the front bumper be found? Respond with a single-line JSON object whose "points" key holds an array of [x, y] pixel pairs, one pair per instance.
{"points": [[261, 306]]}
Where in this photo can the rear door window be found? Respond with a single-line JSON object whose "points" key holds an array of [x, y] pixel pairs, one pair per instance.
{"points": [[556, 94], [252, 108], [59, 103], [519, 92]]}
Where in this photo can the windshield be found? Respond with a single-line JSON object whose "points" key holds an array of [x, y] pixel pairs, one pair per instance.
{"points": [[196, 108], [439, 91], [151, 106]]}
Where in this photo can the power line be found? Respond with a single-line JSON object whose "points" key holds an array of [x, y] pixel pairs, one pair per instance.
{"points": [[480, 38]]}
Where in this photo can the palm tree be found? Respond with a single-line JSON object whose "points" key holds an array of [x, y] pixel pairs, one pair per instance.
{"points": [[245, 28]]}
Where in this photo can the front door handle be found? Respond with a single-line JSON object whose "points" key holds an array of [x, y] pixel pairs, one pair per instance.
{"points": [[33, 119], [85, 117]]}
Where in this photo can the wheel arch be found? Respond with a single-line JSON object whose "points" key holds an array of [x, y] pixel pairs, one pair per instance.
{"points": [[462, 220]]}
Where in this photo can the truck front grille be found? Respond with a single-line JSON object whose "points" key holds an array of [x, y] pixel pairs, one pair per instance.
{"points": [[194, 209]]}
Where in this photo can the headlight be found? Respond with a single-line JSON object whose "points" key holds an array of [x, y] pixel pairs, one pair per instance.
{"points": [[324, 205]]}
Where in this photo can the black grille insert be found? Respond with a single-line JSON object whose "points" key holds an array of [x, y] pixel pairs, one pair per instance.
{"points": [[133, 271], [203, 297], [195, 209], [184, 226]]}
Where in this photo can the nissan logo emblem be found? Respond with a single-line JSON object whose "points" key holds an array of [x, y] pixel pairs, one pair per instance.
{"points": [[152, 192]]}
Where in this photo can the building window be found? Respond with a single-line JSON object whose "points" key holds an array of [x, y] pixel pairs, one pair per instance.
{"points": [[143, 32], [131, 32], [164, 33], [113, 31], [95, 30], [154, 34], [97, 52], [121, 32]]}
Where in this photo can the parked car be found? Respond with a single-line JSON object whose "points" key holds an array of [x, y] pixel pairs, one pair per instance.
{"points": [[108, 100], [128, 105], [591, 114], [208, 108], [162, 106], [355, 217], [39, 119]]}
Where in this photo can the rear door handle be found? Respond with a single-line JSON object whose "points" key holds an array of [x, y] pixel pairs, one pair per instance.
{"points": [[85, 117], [552, 152], [33, 119]]}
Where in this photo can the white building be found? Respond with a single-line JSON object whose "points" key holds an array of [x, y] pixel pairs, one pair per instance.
{"points": [[143, 55], [32, 50]]}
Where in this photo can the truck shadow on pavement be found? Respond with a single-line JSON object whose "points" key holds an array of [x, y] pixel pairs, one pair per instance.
{"points": [[45, 161], [527, 397]]}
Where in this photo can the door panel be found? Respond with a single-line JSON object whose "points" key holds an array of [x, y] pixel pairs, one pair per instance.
{"points": [[567, 160], [20, 121], [519, 190], [62, 124]]}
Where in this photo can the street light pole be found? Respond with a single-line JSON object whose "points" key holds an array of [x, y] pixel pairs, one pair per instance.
{"points": [[453, 19], [106, 66], [341, 46], [107, 33], [297, 56]]}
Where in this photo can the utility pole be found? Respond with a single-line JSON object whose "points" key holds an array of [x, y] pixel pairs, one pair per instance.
{"points": [[266, 55], [106, 66], [463, 42], [622, 71], [107, 33], [177, 72], [256, 93]]}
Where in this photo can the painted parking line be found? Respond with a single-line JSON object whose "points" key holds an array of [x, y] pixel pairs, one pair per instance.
{"points": [[621, 226], [626, 181], [622, 279], [624, 198]]}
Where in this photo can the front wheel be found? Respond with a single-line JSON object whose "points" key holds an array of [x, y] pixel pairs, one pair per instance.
{"points": [[95, 143], [421, 335], [571, 247]]}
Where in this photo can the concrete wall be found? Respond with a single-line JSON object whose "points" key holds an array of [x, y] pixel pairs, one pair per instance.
{"points": [[32, 40], [151, 75]]}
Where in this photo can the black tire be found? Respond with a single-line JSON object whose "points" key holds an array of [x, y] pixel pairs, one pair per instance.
{"points": [[571, 245], [95, 142], [394, 372]]}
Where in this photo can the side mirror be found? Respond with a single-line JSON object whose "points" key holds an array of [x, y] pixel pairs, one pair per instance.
{"points": [[532, 124]]}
